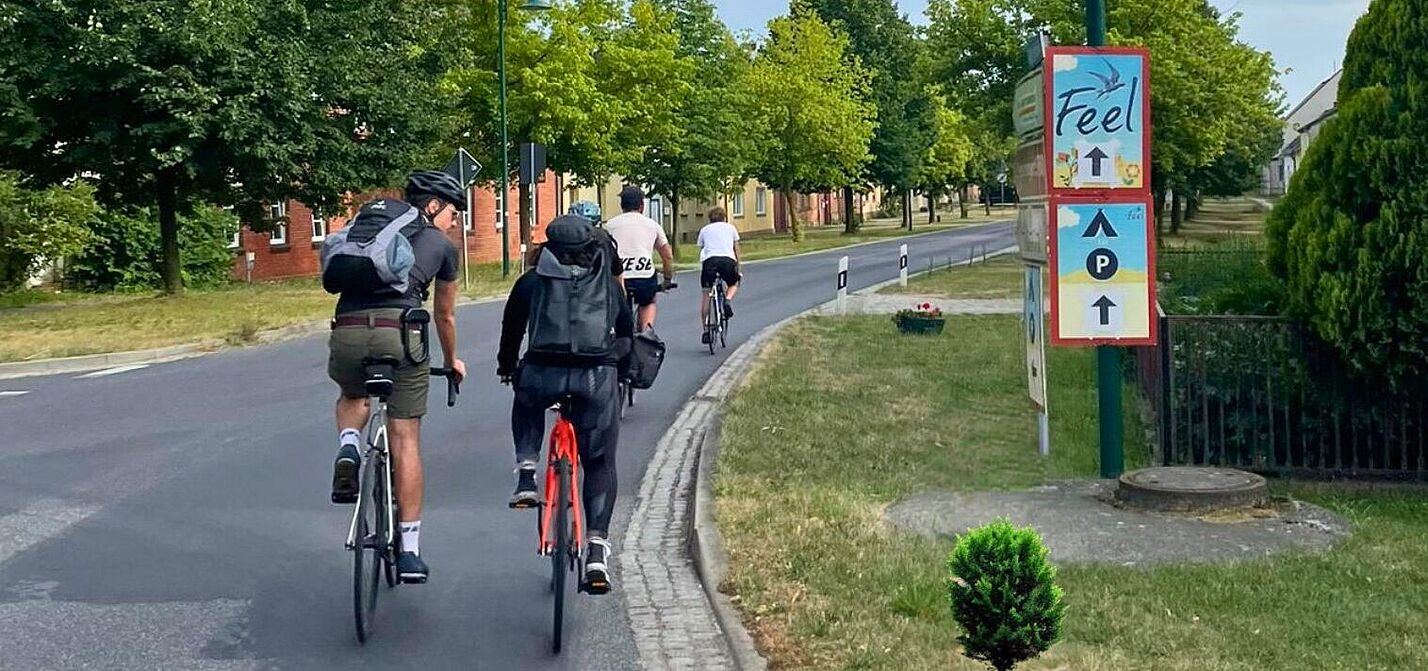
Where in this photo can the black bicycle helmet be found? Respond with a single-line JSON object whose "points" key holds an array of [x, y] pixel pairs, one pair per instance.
{"points": [[437, 184]]}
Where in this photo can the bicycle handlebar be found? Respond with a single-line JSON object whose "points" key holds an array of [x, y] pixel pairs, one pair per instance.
{"points": [[453, 388]]}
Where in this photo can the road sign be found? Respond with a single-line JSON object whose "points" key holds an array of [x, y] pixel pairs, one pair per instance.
{"points": [[1102, 272], [1031, 231], [1097, 118], [1028, 111], [464, 167], [1034, 319], [1029, 168]]}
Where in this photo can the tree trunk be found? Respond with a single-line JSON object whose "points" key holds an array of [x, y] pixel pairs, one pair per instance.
{"points": [[962, 195], [527, 221], [795, 229], [850, 223], [1192, 205], [170, 268], [1160, 211], [907, 209], [1175, 213], [987, 199], [931, 209], [674, 222]]}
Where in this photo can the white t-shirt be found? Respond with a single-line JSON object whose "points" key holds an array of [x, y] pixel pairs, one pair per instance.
{"points": [[717, 239], [637, 236]]}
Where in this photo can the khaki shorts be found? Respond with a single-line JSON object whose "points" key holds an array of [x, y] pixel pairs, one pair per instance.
{"points": [[348, 346]]}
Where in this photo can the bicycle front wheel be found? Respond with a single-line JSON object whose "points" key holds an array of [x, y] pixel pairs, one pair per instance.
{"points": [[367, 556], [559, 557]]}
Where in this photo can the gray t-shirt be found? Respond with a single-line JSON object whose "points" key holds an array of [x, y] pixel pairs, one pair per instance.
{"points": [[436, 258]]}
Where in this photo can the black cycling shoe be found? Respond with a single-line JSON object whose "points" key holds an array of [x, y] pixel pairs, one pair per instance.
{"points": [[411, 570], [728, 310], [344, 475], [526, 496], [597, 569]]}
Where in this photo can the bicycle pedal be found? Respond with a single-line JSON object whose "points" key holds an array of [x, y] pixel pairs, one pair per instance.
{"points": [[596, 587]]}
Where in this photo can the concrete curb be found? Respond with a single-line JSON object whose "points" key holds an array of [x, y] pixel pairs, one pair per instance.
{"points": [[90, 362]]}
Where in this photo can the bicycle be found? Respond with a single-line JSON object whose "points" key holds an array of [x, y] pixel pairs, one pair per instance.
{"points": [[560, 523], [627, 391], [374, 530], [715, 323]]}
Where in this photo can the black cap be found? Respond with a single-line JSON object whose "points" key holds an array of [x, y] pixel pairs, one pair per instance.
{"points": [[569, 231]]}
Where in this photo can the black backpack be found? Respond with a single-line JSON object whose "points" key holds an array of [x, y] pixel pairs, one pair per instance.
{"points": [[575, 307], [373, 253]]}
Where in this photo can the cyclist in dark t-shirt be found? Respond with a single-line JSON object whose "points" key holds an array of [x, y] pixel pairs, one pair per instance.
{"points": [[369, 325]]}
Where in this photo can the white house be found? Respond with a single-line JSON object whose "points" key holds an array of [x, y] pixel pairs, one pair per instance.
{"points": [[1301, 126]]}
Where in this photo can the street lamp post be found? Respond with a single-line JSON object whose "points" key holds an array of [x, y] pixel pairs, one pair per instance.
{"points": [[530, 5]]}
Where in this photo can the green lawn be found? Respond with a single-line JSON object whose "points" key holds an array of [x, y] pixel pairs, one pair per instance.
{"points": [[845, 417], [767, 246], [39, 325], [1219, 220], [999, 277]]}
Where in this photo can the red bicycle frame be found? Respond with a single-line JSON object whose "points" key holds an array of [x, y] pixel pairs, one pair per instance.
{"points": [[562, 446]]}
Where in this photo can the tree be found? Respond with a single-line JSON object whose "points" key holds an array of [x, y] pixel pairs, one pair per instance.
{"points": [[811, 95], [888, 46], [168, 102], [39, 226], [1004, 595], [945, 166], [1350, 238]]}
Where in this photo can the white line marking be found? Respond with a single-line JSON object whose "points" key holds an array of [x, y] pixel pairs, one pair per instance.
{"points": [[112, 371], [40, 521], [7, 394]]}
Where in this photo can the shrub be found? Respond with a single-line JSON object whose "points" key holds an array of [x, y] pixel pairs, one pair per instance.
{"points": [[40, 225], [1004, 595], [1350, 238], [124, 254]]}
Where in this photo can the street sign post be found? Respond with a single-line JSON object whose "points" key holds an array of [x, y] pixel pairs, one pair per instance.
{"points": [[1031, 232], [1034, 321], [1028, 111], [464, 167]]}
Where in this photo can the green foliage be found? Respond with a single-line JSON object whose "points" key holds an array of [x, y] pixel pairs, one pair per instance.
{"points": [[812, 96], [1004, 595], [1230, 278], [185, 101], [39, 225], [124, 251], [1351, 236], [951, 154]]}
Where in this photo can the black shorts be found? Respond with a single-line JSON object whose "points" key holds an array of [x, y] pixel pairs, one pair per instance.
{"points": [[642, 290], [719, 266]]}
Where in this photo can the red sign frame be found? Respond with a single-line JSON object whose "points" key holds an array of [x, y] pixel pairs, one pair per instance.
{"points": [[1049, 134], [1054, 266]]}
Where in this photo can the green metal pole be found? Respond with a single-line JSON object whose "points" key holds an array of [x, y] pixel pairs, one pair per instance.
{"points": [[505, 146], [1108, 359]]}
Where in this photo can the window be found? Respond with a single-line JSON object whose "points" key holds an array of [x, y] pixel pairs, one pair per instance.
{"points": [[738, 205], [319, 227], [277, 211], [237, 240], [761, 202]]}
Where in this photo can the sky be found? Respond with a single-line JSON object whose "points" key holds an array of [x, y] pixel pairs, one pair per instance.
{"points": [[1306, 37]]}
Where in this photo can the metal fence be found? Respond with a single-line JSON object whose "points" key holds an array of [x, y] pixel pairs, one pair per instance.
{"points": [[1261, 393]]}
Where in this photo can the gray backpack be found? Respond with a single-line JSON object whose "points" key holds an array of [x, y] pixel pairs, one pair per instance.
{"points": [[574, 308], [372, 254]]}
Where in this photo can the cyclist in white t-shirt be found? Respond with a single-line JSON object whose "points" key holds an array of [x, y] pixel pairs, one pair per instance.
{"points": [[638, 238], [719, 256]]}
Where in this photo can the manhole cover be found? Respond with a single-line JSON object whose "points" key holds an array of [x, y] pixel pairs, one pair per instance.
{"points": [[1191, 488]]}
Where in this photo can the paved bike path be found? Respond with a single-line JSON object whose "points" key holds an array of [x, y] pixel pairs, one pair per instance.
{"points": [[175, 516]]}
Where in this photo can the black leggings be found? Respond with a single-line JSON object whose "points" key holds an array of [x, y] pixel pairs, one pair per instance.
{"points": [[595, 412]]}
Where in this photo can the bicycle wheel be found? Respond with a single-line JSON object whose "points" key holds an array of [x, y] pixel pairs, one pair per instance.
{"points": [[559, 558], [712, 322], [389, 555], [367, 555], [626, 393], [723, 333]]}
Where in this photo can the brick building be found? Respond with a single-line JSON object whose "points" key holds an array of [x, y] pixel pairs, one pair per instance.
{"points": [[291, 250]]}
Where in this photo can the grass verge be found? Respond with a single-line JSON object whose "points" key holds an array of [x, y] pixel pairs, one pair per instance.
{"points": [[845, 417], [40, 325], [999, 277]]}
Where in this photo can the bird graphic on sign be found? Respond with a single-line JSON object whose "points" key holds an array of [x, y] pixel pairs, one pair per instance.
{"points": [[1109, 83]]}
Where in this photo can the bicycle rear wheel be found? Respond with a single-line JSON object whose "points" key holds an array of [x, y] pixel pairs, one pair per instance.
{"points": [[389, 554], [367, 556], [559, 557]]}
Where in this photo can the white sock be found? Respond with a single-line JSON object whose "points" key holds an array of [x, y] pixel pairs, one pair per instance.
{"points": [[350, 437], [411, 537]]}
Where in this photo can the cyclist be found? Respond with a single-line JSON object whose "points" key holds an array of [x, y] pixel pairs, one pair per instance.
{"points": [[560, 322], [638, 237], [369, 324], [719, 257], [587, 209]]}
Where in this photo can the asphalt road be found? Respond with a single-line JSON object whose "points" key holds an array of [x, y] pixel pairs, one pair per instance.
{"points": [[176, 516]]}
